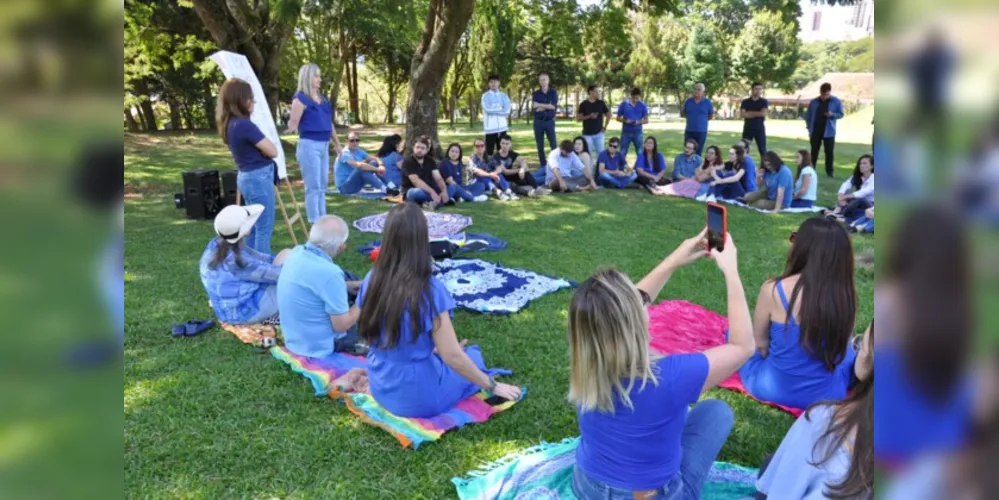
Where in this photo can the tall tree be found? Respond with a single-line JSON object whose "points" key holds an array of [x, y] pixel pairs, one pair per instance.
{"points": [[390, 56], [767, 51], [703, 61], [446, 21], [257, 29], [650, 66], [497, 27], [607, 47]]}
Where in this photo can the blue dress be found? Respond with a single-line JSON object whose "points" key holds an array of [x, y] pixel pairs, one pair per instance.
{"points": [[789, 376], [410, 380]]}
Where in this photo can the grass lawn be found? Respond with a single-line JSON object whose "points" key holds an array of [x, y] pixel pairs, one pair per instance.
{"points": [[206, 417]]}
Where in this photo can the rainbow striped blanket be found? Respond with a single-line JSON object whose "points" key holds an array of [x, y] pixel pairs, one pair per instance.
{"points": [[411, 432], [545, 471]]}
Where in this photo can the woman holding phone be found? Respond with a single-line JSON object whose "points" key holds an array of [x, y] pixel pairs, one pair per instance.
{"points": [[640, 438]]}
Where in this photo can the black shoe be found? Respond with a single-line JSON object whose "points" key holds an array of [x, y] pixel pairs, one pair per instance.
{"points": [[392, 192], [831, 175]]}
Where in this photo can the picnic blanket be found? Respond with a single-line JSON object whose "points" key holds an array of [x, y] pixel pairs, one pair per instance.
{"points": [[467, 242], [545, 472], [441, 225], [811, 210], [410, 432], [489, 288], [677, 326]]}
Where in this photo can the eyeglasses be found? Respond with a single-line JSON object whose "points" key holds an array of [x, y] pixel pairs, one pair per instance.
{"points": [[612, 146], [353, 140]]}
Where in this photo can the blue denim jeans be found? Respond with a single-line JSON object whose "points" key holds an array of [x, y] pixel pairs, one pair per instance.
{"points": [[488, 184], [257, 188], [700, 137], [629, 138], [708, 426], [611, 181], [729, 191], [417, 195], [455, 191], [544, 128], [802, 203], [113, 285], [867, 225], [358, 179], [314, 159], [595, 143]]}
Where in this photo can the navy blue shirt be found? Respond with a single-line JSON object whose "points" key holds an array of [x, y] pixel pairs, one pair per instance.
{"points": [[317, 119], [243, 138], [638, 112], [550, 97], [451, 170], [760, 104]]}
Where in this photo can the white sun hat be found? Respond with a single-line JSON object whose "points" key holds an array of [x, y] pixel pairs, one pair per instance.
{"points": [[234, 222]]}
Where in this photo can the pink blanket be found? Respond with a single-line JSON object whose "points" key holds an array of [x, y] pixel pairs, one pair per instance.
{"points": [[677, 326]]}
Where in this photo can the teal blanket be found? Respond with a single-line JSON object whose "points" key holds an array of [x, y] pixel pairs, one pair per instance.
{"points": [[545, 472]]}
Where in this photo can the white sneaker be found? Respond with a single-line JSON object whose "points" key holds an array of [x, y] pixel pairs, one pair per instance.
{"points": [[458, 199], [543, 191], [532, 193], [504, 197], [712, 199], [481, 198], [702, 198], [511, 196]]}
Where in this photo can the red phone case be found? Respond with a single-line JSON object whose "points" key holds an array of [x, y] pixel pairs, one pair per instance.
{"points": [[724, 213]]}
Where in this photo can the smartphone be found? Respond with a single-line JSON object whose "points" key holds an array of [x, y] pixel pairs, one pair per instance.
{"points": [[717, 226]]}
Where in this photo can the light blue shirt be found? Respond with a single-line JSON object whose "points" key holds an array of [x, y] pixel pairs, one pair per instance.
{"points": [[685, 166], [343, 169], [235, 292], [750, 175], [496, 108], [311, 289], [782, 178], [791, 473], [568, 166], [813, 185]]}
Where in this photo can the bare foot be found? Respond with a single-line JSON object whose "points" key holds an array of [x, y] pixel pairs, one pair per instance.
{"points": [[356, 380]]}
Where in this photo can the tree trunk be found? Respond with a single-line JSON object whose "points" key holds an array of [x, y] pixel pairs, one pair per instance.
{"points": [[445, 23], [209, 106], [355, 106], [133, 126], [393, 88], [147, 113], [189, 120]]}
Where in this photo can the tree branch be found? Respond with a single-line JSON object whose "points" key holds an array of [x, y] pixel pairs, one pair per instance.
{"points": [[244, 16]]}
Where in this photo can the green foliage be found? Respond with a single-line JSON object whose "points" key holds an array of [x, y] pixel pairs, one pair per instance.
{"points": [[552, 44], [607, 46], [704, 60], [497, 27], [820, 58], [767, 51], [650, 66]]}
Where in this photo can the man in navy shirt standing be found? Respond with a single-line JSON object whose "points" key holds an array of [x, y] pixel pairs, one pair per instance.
{"points": [[545, 103], [754, 115], [697, 110]]}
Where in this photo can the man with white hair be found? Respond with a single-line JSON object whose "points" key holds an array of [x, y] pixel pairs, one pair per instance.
{"points": [[316, 317], [698, 110]]}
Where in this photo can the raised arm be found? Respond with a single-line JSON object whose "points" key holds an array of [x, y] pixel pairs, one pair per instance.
{"points": [[690, 250], [453, 355], [725, 360]]}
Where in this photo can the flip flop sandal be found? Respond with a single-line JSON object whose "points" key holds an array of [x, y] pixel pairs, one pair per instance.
{"points": [[197, 327], [179, 330]]}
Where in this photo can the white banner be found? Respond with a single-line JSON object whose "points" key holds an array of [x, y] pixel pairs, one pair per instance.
{"points": [[235, 65]]}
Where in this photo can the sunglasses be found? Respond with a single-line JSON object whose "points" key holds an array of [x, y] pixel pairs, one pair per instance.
{"points": [[353, 140], [613, 146]]}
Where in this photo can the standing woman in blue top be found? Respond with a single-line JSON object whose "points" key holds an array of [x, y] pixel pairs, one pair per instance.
{"points": [[254, 155], [545, 101], [651, 167], [806, 186], [312, 118], [633, 113], [730, 182], [820, 119], [391, 156], [778, 185], [804, 322], [639, 436], [416, 366], [698, 110]]}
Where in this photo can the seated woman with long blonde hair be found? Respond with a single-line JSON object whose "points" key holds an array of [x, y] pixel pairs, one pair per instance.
{"points": [[640, 438]]}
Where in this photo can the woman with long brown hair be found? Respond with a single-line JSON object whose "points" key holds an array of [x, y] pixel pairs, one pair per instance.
{"points": [[416, 366], [804, 321], [829, 451], [254, 155]]}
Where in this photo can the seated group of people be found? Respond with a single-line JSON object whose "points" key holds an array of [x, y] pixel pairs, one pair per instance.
{"points": [[639, 434]]}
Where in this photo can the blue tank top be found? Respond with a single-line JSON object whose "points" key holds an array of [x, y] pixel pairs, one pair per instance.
{"points": [[790, 376], [317, 119]]}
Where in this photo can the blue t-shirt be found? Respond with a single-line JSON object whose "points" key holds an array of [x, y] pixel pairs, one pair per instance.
{"points": [[640, 449], [392, 169], [697, 114], [642, 164], [451, 170], [637, 112], [310, 289], [782, 178], [343, 169], [750, 177], [617, 162], [317, 119], [685, 166], [813, 185], [550, 97], [243, 137]]}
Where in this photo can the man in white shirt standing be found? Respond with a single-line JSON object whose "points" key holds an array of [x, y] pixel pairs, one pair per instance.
{"points": [[496, 111]]}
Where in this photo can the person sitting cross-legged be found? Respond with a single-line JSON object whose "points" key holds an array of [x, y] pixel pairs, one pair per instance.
{"points": [[513, 167], [453, 171], [643, 432], [391, 158], [423, 182], [731, 182], [685, 165], [565, 172], [778, 185], [355, 168], [804, 322], [486, 173], [416, 366], [699, 186], [857, 193], [612, 167], [651, 166], [312, 294], [241, 282]]}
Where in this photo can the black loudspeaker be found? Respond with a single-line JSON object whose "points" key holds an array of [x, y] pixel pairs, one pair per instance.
{"points": [[202, 194], [229, 188]]}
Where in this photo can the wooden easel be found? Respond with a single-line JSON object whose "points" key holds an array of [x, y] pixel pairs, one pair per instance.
{"points": [[288, 222]]}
